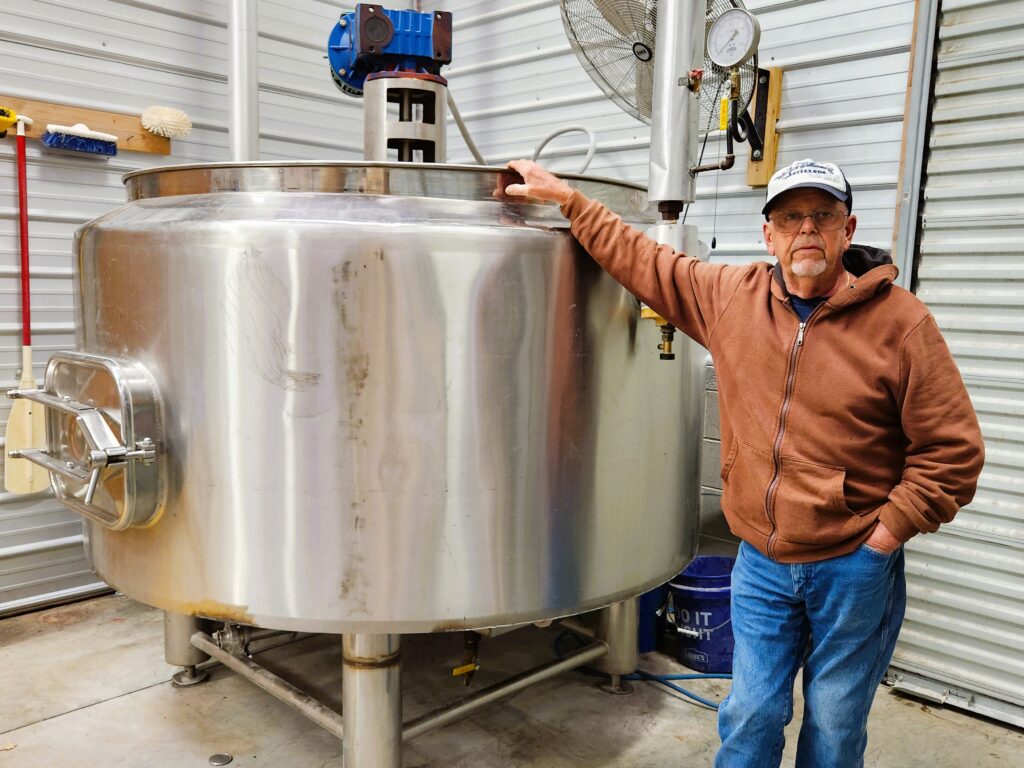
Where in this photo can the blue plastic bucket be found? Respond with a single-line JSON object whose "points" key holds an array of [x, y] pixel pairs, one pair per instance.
{"points": [[700, 602]]}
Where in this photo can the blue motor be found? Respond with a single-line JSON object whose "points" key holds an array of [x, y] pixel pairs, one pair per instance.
{"points": [[373, 39]]}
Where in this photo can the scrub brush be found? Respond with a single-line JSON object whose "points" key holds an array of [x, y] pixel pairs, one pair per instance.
{"points": [[78, 138], [166, 121]]}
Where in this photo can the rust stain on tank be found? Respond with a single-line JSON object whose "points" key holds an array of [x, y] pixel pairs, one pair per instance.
{"points": [[341, 274], [211, 609], [357, 370]]}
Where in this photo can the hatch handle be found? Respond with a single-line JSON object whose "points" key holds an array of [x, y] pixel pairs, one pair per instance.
{"points": [[105, 450]]}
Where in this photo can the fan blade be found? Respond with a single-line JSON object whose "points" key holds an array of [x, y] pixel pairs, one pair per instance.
{"points": [[626, 16]]}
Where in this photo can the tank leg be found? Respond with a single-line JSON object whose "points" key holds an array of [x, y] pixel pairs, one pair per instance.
{"points": [[372, 701], [618, 626], [178, 648]]}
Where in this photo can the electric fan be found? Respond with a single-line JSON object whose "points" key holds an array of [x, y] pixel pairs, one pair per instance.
{"points": [[615, 42]]}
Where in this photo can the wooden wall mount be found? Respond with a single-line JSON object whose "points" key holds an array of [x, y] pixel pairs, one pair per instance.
{"points": [[131, 136], [760, 171]]}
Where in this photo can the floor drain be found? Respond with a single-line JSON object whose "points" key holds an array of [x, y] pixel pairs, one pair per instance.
{"points": [[220, 759]]}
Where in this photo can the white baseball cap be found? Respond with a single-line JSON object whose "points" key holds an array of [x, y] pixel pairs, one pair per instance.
{"points": [[808, 173]]}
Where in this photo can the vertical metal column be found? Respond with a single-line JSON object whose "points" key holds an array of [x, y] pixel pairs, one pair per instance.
{"points": [[676, 114], [372, 701], [617, 625], [243, 81], [178, 648]]}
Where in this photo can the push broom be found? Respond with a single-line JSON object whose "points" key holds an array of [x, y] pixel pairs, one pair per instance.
{"points": [[27, 423]]}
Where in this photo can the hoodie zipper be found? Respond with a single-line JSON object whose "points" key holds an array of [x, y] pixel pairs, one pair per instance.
{"points": [[773, 486]]}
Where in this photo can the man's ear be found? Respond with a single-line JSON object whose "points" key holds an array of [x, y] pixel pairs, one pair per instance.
{"points": [[768, 238], [851, 227]]}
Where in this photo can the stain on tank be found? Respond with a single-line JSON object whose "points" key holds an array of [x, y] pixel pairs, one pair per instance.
{"points": [[211, 609], [357, 370]]}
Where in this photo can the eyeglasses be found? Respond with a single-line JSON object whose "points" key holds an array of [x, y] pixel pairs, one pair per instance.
{"points": [[791, 221]]}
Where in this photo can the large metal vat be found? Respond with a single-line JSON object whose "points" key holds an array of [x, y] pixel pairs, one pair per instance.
{"points": [[382, 397]]}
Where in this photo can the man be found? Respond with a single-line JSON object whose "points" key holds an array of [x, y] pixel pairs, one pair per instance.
{"points": [[846, 430]]}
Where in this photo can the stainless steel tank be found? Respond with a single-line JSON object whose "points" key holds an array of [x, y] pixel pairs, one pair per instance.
{"points": [[368, 398]]}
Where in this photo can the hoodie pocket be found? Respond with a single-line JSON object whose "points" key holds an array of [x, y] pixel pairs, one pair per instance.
{"points": [[746, 475], [810, 504], [729, 460]]}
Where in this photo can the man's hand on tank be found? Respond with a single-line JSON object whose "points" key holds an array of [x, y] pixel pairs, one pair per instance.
{"points": [[538, 183]]}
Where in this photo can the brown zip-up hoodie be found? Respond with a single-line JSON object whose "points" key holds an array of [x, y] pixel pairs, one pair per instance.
{"points": [[857, 416]]}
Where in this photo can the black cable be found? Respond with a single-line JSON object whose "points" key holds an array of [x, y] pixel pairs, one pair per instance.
{"points": [[707, 132]]}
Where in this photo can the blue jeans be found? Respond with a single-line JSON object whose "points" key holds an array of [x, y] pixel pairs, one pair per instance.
{"points": [[840, 618]]}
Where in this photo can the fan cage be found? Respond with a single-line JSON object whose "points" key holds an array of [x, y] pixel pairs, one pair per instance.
{"points": [[615, 42]]}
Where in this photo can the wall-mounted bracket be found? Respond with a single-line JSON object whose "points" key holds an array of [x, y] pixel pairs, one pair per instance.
{"points": [[759, 130], [131, 136]]}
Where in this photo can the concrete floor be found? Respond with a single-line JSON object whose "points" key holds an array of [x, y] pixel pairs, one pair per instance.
{"points": [[86, 685]]}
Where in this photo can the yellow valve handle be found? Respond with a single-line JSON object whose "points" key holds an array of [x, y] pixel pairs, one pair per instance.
{"points": [[723, 114], [465, 669]]}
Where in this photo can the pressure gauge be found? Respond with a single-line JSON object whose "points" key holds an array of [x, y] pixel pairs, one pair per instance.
{"points": [[733, 37]]}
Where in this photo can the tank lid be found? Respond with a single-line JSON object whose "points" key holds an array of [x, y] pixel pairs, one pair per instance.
{"points": [[455, 182]]}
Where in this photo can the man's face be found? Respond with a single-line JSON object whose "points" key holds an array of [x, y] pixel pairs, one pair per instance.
{"points": [[811, 250]]}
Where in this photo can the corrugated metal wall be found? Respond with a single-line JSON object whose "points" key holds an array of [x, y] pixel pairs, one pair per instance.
{"points": [[122, 56], [963, 640]]}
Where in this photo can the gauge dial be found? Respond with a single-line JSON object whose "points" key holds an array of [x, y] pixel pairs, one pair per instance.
{"points": [[733, 37]]}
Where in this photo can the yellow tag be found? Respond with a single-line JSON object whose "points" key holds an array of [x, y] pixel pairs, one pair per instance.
{"points": [[465, 669], [723, 114]]}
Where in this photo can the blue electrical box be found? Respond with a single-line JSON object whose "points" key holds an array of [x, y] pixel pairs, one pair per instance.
{"points": [[374, 39]]}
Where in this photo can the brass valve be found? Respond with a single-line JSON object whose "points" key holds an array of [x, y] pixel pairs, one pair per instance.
{"points": [[469, 665], [668, 331]]}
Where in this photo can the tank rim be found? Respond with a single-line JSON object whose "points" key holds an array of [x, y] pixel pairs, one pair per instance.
{"points": [[468, 183], [366, 164]]}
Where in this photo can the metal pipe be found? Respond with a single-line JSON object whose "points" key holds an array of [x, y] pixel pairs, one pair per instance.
{"points": [[264, 644], [372, 701], [259, 633], [485, 696], [676, 113], [724, 164], [243, 81], [617, 625], [262, 647], [178, 631], [277, 687], [580, 629], [405, 116], [405, 106]]}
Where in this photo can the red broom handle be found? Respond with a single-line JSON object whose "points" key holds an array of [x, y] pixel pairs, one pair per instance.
{"points": [[26, 307]]}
